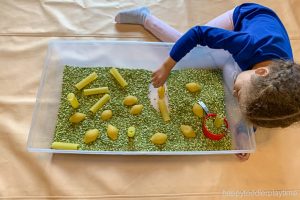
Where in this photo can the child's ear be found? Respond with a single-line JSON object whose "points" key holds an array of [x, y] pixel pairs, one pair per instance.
{"points": [[262, 71]]}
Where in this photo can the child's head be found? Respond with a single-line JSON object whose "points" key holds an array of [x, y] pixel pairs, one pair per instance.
{"points": [[270, 96]]}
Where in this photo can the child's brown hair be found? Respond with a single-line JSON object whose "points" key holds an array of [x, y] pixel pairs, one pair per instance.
{"points": [[274, 100]]}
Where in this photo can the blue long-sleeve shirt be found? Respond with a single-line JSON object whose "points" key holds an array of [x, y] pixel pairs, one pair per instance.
{"points": [[258, 35]]}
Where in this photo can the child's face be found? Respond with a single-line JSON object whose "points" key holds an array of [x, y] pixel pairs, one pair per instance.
{"points": [[243, 81]]}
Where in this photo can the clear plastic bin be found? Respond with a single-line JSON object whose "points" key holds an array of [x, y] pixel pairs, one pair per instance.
{"points": [[146, 55]]}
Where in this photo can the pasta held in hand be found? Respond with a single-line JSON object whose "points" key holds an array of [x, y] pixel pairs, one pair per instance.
{"points": [[163, 109], [161, 92]]}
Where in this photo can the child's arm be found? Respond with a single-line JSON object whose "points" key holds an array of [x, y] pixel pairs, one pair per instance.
{"points": [[215, 38], [160, 76], [237, 43]]}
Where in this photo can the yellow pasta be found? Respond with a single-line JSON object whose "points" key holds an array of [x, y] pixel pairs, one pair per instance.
{"points": [[84, 82], [100, 103], [130, 100], [112, 132], [218, 122], [136, 109], [64, 146], [131, 131], [163, 110], [77, 117], [106, 115], [91, 135], [118, 77], [198, 110], [92, 91], [73, 100], [161, 92], [159, 138], [187, 131], [193, 87]]}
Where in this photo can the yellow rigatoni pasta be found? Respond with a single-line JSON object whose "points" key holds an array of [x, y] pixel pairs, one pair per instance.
{"points": [[64, 146], [92, 91], [73, 100], [163, 109], [77, 117], [161, 92], [100, 103], [118, 77], [86, 81]]}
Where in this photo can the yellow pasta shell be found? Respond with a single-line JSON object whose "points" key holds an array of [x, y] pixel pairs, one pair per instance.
{"points": [[159, 138], [112, 132], [77, 117], [136, 109], [193, 87], [187, 131], [91, 135], [106, 115], [130, 100], [198, 110]]}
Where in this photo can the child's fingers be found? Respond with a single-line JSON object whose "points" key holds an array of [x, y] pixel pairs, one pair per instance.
{"points": [[154, 73], [156, 82]]}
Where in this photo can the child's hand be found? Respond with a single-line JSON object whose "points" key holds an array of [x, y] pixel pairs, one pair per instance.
{"points": [[160, 76]]}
